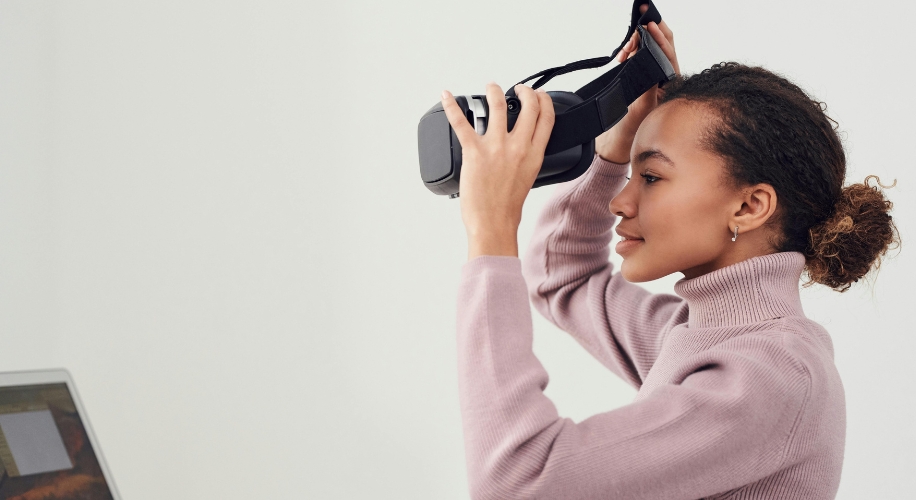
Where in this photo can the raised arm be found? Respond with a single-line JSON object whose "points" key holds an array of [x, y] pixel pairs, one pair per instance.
{"points": [[566, 265], [572, 283]]}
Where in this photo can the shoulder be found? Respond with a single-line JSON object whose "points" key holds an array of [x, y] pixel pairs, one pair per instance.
{"points": [[796, 343], [750, 371], [806, 337]]}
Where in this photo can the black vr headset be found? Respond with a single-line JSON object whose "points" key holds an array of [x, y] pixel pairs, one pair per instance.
{"points": [[581, 116]]}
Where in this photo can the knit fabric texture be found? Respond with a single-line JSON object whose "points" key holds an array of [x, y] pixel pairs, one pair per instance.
{"points": [[738, 394]]}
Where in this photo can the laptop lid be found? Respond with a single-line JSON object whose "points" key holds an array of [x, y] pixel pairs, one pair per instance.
{"points": [[47, 448]]}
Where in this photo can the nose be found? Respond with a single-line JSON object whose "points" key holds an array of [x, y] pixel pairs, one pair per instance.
{"points": [[625, 203]]}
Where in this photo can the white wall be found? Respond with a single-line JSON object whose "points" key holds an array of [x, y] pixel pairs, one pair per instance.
{"points": [[211, 213]]}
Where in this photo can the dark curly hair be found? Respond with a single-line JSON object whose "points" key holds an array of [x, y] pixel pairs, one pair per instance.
{"points": [[768, 130]]}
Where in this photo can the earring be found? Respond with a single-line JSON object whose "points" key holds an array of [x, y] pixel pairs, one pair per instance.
{"points": [[735, 237]]}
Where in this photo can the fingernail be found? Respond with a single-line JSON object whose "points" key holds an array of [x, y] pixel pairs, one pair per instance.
{"points": [[446, 94]]}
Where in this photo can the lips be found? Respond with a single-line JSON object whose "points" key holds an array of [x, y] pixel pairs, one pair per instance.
{"points": [[628, 242], [627, 235]]}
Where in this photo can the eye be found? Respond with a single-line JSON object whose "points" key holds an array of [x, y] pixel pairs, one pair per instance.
{"points": [[649, 178]]}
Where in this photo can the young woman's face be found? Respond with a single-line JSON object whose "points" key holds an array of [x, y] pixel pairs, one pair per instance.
{"points": [[675, 210]]}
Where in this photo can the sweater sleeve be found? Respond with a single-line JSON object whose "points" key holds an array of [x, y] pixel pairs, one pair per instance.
{"points": [[713, 429], [571, 281]]}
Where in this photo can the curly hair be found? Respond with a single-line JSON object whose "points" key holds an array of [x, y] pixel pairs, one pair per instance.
{"points": [[768, 130]]}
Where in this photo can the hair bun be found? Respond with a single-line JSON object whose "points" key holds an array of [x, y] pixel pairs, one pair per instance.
{"points": [[851, 242]]}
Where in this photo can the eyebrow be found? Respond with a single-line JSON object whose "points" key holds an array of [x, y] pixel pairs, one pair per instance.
{"points": [[652, 153]]}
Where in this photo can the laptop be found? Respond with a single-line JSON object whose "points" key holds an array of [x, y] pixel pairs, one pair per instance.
{"points": [[47, 449]]}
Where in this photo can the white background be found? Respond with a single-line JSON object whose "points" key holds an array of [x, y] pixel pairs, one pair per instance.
{"points": [[211, 213]]}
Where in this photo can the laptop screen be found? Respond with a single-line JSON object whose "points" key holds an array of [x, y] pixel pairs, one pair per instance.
{"points": [[45, 451]]}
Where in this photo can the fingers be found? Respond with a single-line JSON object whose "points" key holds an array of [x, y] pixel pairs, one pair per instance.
{"points": [[456, 118], [664, 40], [668, 34], [545, 121], [667, 31], [663, 36], [664, 43], [622, 56], [634, 44], [628, 48], [496, 102], [528, 116]]}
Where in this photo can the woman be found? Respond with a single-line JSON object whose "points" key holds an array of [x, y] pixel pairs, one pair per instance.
{"points": [[737, 184]]}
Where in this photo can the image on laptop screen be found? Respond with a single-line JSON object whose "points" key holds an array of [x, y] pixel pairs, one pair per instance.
{"points": [[45, 452]]}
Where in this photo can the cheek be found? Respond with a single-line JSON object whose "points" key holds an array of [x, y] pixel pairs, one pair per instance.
{"points": [[683, 228], [684, 220]]}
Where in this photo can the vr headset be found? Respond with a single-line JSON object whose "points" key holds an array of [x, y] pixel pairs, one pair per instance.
{"points": [[581, 116]]}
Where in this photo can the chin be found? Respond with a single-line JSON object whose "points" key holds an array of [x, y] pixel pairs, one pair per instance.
{"points": [[636, 271]]}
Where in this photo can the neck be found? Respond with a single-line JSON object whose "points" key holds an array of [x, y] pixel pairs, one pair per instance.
{"points": [[736, 252], [756, 289]]}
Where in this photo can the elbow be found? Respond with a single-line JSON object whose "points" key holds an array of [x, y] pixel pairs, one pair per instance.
{"points": [[519, 470], [481, 489], [491, 488], [535, 294], [533, 281], [541, 301], [484, 483], [503, 480]]}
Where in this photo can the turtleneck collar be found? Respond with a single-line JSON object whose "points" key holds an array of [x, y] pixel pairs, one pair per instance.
{"points": [[753, 290]]}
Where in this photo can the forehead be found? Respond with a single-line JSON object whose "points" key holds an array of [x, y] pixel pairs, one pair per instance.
{"points": [[676, 125], [677, 129]]}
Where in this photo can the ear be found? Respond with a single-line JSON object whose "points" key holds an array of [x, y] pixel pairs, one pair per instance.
{"points": [[758, 203]]}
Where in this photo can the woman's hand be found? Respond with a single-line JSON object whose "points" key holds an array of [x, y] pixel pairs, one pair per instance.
{"points": [[614, 145], [499, 167]]}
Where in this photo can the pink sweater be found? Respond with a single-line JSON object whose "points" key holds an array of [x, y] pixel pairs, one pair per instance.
{"points": [[738, 398]]}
